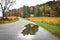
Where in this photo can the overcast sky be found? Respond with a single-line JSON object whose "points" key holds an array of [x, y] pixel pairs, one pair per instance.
{"points": [[20, 3]]}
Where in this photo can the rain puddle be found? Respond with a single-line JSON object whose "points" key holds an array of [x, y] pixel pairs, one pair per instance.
{"points": [[30, 29], [34, 32]]}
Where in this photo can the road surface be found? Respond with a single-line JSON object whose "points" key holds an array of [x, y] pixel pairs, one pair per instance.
{"points": [[12, 31]]}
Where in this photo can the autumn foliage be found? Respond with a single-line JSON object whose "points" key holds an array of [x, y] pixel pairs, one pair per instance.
{"points": [[49, 20], [48, 9]]}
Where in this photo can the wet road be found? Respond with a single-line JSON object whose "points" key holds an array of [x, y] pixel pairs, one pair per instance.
{"points": [[12, 31]]}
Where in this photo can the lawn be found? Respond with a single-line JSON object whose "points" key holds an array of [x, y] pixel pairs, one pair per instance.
{"points": [[9, 20], [52, 24]]}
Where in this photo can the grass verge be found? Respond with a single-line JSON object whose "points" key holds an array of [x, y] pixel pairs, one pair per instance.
{"points": [[52, 28]]}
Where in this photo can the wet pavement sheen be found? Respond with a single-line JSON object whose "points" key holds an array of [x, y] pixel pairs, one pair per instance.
{"points": [[12, 31]]}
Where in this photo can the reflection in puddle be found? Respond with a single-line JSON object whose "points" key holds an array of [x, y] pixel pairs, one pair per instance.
{"points": [[30, 29]]}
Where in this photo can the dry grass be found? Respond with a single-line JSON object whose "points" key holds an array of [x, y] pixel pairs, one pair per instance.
{"points": [[50, 20], [9, 19]]}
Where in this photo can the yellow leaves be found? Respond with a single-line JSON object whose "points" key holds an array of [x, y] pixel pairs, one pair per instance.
{"points": [[11, 17], [50, 20]]}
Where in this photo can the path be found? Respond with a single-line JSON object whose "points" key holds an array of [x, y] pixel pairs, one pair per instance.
{"points": [[11, 31]]}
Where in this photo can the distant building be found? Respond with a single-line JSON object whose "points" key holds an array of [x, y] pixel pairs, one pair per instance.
{"points": [[31, 15]]}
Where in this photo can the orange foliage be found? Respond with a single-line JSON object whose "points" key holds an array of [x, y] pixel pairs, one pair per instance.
{"points": [[11, 17], [50, 20]]}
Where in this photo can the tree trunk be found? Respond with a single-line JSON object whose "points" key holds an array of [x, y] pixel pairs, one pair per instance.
{"points": [[3, 15]]}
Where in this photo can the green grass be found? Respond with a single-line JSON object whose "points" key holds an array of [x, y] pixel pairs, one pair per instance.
{"points": [[52, 28], [8, 21]]}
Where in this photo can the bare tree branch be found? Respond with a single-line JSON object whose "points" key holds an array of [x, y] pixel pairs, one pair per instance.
{"points": [[1, 6], [10, 4], [5, 5]]}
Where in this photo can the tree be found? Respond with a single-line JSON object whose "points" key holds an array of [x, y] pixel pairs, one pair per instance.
{"points": [[24, 11], [28, 11], [32, 11], [53, 0], [5, 5], [39, 12]]}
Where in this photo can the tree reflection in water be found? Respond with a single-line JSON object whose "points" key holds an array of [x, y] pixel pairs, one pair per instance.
{"points": [[30, 29]]}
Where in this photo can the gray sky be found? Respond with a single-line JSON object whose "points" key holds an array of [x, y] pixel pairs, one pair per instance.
{"points": [[20, 3]]}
